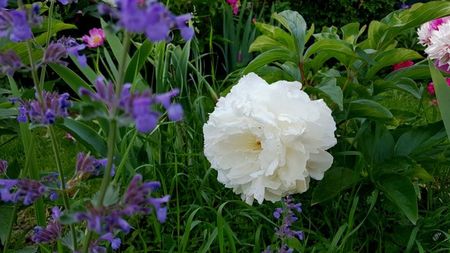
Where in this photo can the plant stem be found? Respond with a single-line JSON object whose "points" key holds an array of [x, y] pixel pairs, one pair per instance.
{"points": [[63, 182], [112, 135], [49, 35]]}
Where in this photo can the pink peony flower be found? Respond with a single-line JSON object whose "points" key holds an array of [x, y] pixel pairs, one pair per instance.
{"points": [[95, 38], [401, 65], [427, 29], [234, 5]]}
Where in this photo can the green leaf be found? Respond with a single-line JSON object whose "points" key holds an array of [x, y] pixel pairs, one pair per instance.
{"points": [[419, 139], [335, 181], [391, 57], [296, 25], [364, 108], [6, 212], [264, 43], [267, 57], [137, 61], [277, 34], [375, 142], [400, 191], [333, 91], [415, 72], [442, 95], [7, 113], [85, 135], [71, 78], [339, 49]]}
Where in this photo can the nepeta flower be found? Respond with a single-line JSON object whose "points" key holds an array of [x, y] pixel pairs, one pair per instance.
{"points": [[3, 3], [21, 190], [150, 18], [95, 38], [135, 105], [73, 48], [66, 2], [9, 62], [54, 53], [14, 25], [50, 233], [88, 165], [234, 5], [54, 106], [107, 221], [267, 141], [439, 47], [3, 166]]}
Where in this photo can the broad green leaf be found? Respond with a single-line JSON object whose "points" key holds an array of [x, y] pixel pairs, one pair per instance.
{"points": [[415, 72], [264, 43], [267, 57], [296, 25], [71, 78], [338, 49], [333, 91], [335, 181], [375, 142], [364, 108], [277, 34], [86, 135], [6, 214], [400, 191], [443, 96], [418, 139], [351, 32], [137, 61], [391, 57]]}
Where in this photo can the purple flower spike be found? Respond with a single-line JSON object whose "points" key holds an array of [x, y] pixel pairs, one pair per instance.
{"points": [[89, 166], [9, 62], [3, 166], [52, 232], [54, 106], [14, 25], [24, 190], [55, 53], [3, 3]]}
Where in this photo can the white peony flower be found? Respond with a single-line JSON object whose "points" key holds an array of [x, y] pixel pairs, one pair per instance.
{"points": [[425, 31], [266, 141], [439, 48]]}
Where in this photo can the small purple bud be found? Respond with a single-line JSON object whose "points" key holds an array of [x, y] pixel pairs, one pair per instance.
{"points": [[3, 166]]}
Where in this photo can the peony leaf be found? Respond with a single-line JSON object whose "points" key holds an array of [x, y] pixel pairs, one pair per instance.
{"points": [[443, 96], [333, 91], [296, 25], [390, 57], [277, 54], [364, 108], [401, 192], [335, 181], [375, 142]]}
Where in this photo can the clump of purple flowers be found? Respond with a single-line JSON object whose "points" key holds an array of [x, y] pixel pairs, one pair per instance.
{"points": [[21, 190], [50, 233], [107, 221], [62, 48], [288, 217], [149, 17], [136, 105], [3, 166], [15, 25], [88, 165], [9, 62], [53, 106]]}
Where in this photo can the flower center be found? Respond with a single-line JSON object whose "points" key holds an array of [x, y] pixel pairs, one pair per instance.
{"points": [[257, 146]]}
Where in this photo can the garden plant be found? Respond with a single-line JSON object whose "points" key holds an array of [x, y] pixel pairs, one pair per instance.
{"points": [[223, 126]]}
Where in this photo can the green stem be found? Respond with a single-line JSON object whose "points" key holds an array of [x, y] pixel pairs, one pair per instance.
{"points": [[112, 135], [47, 41], [63, 182], [121, 166]]}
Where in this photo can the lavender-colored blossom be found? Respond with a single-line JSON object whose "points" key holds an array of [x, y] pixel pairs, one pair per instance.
{"points": [[73, 48], [14, 25], [54, 106], [50, 233], [135, 105], [3, 3], [9, 62], [3, 166], [34, 18], [137, 199], [149, 17], [66, 2], [88, 165], [21, 190], [55, 53]]}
